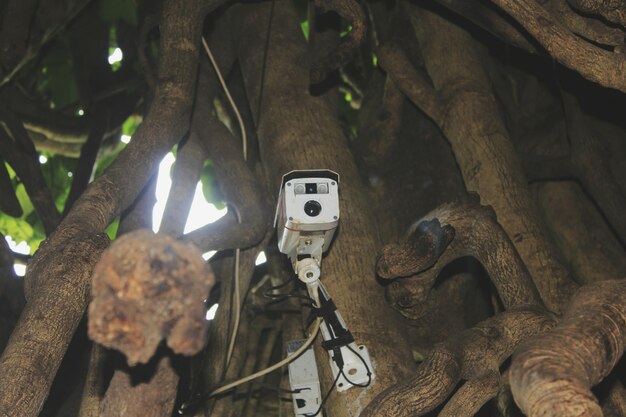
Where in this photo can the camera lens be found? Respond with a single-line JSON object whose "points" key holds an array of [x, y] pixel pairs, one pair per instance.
{"points": [[312, 208]]}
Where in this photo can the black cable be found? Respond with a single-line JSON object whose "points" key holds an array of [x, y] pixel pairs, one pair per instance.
{"points": [[279, 389], [267, 293], [332, 387]]}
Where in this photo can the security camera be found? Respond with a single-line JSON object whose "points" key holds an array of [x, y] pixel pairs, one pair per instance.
{"points": [[307, 216]]}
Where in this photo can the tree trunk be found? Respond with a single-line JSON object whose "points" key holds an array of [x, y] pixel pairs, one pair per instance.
{"points": [[298, 131]]}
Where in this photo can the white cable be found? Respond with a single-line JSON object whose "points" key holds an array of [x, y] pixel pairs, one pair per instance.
{"points": [[236, 301], [236, 297], [287, 360], [229, 97]]}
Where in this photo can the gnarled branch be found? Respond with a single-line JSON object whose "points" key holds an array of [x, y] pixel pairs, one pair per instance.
{"points": [[553, 374], [596, 64], [443, 235], [462, 104], [474, 355]]}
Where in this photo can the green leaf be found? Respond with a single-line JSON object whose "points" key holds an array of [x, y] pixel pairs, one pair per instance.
{"points": [[22, 197], [130, 125], [210, 187], [56, 172], [304, 25], [27, 227], [18, 229], [113, 227]]}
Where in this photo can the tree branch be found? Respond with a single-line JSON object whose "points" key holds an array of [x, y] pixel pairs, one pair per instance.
{"points": [[9, 203], [51, 30], [596, 64], [587, 27], [472, 396], [450, 232], [238, 184], [553, 374], [59, 273], [16, 24], [590, 160], [484, 16], [187, 169], [413, 83], [88, 154], [611, 10], [475, 354], [21, 155], [470, 120]]}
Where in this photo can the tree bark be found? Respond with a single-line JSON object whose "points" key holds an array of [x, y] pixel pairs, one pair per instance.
{"points": [[553, 374], [463, 106]]}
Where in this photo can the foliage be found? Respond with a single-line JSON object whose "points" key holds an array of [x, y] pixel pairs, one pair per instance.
{"points": [[27, 227], [210, 186]]}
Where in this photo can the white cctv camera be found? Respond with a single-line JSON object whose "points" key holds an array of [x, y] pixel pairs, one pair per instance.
{"points": [[307, 216]]}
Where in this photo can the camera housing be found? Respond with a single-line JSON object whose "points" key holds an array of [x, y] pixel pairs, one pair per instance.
{"points": [[307, 213]]}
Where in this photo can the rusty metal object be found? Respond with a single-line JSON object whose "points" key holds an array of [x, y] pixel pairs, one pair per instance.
{"points": [[149, 287]]}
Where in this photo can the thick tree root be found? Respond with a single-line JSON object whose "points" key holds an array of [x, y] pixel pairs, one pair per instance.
{"points": [[475, 355], [450, 232], [552, 375], [472, 395], [461, 102], [146, 288]]}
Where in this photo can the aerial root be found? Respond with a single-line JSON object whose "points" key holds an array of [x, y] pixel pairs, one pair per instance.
{"points": [[475, 355], [553, 374]]}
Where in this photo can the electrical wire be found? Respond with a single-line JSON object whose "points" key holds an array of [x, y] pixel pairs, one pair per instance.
{"points": [[269, 369], [236, 301], [244, 143], [244, 140]]}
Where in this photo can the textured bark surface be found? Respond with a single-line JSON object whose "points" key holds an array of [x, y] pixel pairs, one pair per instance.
{"points": [[552, 375], [581, 233], [475, 354], [463, 106], [442, 236], [95, 382], [45, 328], [247, 222], [596, 64], [298, 131]]}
